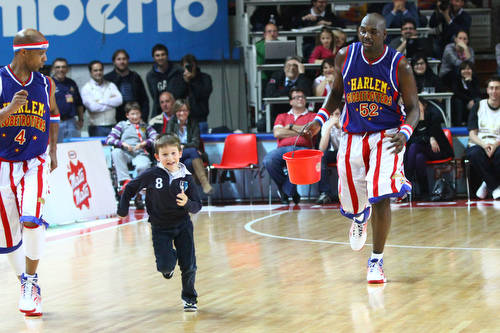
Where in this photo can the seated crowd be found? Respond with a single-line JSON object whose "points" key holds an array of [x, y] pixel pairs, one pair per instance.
{"points": [[119, 108], [455, 74]]}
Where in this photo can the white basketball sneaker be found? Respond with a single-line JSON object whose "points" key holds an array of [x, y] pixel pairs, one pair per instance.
{"points": [[375, 273], [30, 301], [357, 233], [482, 191], [496, 193]]}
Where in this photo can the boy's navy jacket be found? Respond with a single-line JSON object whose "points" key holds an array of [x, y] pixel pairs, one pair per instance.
{"points": [[161, 196]]}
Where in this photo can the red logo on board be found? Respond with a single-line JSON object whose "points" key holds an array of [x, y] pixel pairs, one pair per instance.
{"points": [[77, 177]]}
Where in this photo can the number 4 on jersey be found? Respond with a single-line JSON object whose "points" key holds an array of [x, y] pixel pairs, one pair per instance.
{"points": [[20, 138]]}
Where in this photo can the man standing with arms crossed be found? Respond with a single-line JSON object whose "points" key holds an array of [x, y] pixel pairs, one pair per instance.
{"points": [[371, 76], [29, 121]]}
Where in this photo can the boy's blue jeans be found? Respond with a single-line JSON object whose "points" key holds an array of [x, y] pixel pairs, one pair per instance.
{"points": [[167, 256]]}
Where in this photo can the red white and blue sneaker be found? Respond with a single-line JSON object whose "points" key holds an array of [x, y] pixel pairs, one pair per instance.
{"points": [[357, 233], [375, 273], [30, 302]]}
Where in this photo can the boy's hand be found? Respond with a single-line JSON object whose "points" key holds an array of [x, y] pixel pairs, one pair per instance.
{"points": [[139, 146], [127, 147], [182, 199]]}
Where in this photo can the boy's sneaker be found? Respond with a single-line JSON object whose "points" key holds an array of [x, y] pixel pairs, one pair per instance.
{"points": [[357, 233], [168, 275], [189, 307], [30, 300], [375, 272]]}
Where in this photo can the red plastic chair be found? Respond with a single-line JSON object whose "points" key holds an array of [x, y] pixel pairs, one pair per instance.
{"points": [[240, 152], [449, 160], [448, 135]]}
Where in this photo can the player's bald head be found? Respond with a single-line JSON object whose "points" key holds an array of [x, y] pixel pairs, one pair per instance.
{"points": [[28, 36], [374, 19]]}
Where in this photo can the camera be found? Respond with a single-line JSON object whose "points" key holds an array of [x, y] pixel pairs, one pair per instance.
{"points": [[189, 67], [444, 4]]}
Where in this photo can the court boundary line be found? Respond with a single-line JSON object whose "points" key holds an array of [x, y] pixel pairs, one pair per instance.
{"points": [[249, 228], [71, 234]]}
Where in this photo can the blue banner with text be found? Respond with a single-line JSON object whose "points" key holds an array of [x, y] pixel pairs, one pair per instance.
{"points": [[86, 30]]}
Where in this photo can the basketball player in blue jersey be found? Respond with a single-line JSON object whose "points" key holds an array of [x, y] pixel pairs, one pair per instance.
{"points": [[374, 79], [29, 123]]}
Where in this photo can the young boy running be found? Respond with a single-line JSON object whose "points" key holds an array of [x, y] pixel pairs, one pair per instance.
{"points": [[170, 196]]}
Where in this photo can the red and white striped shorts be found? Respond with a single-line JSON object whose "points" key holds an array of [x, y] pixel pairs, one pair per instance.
{"points": [[23, 189], [369, 171]]}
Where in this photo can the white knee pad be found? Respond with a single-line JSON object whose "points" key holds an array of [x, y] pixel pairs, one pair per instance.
{"points": [[34, 242], [17, 260]]}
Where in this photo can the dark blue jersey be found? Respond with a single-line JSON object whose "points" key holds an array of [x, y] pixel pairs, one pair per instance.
{"points": [[25, 133], [371, 91], [161, 196]]}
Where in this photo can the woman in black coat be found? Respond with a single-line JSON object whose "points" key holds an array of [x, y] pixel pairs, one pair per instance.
{"points": [[188, 132], [428, 142], [427, 80], [466, 93]]}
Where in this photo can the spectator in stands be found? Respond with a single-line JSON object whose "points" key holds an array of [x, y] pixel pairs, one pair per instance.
{"points": [[449, 18], [129, 83], [271, 32], [484, 139], [188, 131], [428, 142], [131, 138], [101, 98], [68, 100], [497, 55], [317, 15], [281, 81], [159, 78], [427, 80], [454, 54], [263, 15], [466, 93], [408, 31], [287, 127], [399, 10], [324, 83], [160, 121], [325, 46], [329, 145], [195, 86], [340, 39]]}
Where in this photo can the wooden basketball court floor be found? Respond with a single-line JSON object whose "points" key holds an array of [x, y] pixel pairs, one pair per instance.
{"points": [[273, 269]]}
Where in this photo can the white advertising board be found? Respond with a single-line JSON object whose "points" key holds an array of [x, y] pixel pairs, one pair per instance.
{"points": [[80, 187]]}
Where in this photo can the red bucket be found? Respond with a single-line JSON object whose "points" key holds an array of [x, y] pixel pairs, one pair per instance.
{"points": [[304, 166]]}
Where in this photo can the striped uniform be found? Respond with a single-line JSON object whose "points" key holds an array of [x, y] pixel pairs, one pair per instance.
{"points": [[24, 161], [368, 171]]}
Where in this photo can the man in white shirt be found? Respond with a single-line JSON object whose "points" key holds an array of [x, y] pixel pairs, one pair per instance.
{"points": [[101, 98], [484, 139]]}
